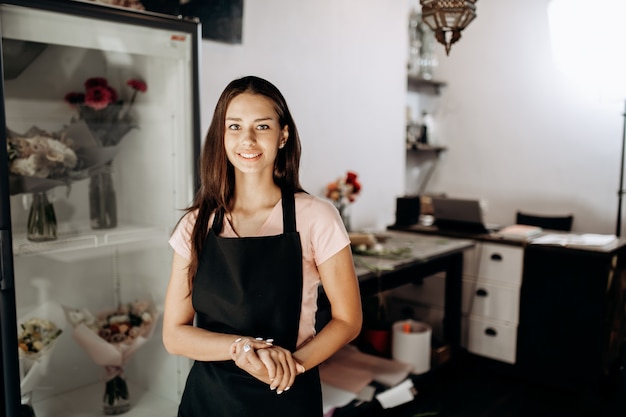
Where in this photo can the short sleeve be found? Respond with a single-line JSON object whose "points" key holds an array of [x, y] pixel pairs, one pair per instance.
{"points": [[328, 234], [180, 240]]}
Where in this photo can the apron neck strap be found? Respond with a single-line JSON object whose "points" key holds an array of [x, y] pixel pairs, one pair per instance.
{"points": [[289, 211], [218, 221]]}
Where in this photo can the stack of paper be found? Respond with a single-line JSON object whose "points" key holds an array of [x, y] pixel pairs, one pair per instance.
{"points": [[519, 231], [347, 374], [582, 241]]}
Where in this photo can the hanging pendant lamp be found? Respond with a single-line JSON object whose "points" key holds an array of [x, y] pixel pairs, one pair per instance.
{"points": [[447, 18]]}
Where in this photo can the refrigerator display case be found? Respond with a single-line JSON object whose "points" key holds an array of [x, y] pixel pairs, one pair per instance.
{"points": [[102, 136]]}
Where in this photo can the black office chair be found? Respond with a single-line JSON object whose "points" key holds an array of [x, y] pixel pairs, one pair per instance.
{"points": [[563, 223]]}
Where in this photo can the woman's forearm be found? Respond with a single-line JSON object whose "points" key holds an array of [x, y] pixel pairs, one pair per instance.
{"points": [[336, 334]]}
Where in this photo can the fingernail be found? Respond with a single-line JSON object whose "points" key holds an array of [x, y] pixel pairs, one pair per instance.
{"points": [[272, 387], [279, 392], [287, 388], [259, 338], [238, 340], [270, 341]]}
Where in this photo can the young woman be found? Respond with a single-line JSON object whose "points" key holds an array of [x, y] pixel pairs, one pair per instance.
{"points": [[249, 255]]}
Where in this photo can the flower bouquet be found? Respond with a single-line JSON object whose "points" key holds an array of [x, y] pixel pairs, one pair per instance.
{"points": [[38, 333], [342, 192], [110, 338], [101, 109], [41, 160], [108, 121]]}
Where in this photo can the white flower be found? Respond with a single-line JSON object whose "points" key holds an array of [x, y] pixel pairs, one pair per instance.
{"points": [[41, 156], [146, 317], [84, 316], [119, 318], [29, 167], [58, 152]]}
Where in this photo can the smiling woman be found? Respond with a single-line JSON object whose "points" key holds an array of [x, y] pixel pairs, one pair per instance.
{"points": [[249, 256]]}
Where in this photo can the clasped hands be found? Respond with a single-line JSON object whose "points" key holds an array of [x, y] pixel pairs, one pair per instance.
{"points": [[266, 362]]}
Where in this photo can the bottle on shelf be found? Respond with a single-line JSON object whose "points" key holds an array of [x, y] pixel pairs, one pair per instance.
{"points": [[427, 130]]}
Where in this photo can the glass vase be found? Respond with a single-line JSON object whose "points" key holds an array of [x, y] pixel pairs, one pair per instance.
{"points": [[344, 212], [102, 201], [116, 399], [42, 222]]}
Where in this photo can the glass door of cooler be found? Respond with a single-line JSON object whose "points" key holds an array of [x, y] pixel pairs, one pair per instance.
{"points": [[102, 134]]}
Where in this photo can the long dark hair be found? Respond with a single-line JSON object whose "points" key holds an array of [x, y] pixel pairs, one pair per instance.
{"points": [[217, 175]]}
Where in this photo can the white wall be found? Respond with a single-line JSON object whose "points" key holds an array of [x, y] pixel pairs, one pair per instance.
{"points": [[519, 135], [340, 65]]}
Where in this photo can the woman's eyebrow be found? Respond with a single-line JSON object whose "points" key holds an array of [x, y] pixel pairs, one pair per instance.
{"points": [[260, 119]]}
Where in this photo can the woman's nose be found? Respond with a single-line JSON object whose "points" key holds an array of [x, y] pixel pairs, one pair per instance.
{"points": [[249, 136]]}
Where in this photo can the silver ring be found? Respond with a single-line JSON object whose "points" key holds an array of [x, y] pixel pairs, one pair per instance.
{"points": [[246, 348]]}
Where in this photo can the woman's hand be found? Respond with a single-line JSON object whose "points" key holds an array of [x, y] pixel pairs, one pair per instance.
{"points": [[266, 362]]}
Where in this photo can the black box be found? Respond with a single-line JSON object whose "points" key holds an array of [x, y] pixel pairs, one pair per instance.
{"points": [[407, 210]]}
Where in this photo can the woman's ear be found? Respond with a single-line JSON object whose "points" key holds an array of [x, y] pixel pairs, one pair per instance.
{"points": [[285, 137]]}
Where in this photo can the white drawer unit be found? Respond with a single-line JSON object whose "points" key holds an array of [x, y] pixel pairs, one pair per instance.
{"points": [[494, 302], [492, 339], [494, 308], [492, 277], [500, 262]]}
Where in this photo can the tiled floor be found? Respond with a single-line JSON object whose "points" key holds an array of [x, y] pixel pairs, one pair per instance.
{"points": [[475, 388]]}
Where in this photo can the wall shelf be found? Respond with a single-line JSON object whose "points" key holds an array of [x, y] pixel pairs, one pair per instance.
{"points": [[418, 84], [421, 147], [82, 239]]}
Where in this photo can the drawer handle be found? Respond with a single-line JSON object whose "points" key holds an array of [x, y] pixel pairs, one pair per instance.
{"points": [[490, 331], [496, 257], [482, 292]]}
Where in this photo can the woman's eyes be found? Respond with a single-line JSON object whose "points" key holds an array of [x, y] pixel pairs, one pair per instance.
{"points": [[238, 127]]}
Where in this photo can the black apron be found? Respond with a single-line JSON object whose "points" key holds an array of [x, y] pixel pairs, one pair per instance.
{"points": [[250, 286]]}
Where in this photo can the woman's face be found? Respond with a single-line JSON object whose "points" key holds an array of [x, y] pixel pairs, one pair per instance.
{"points": [[253, 134]]}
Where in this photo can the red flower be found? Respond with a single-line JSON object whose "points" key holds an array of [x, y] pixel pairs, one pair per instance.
{"points": [[96, 82], [137, 85], [104, 112], [351, 179], [98, 97], [113, 94], [344, 189]]}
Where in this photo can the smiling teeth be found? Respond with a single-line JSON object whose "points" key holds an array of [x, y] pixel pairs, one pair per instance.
{"points": [[250, 155]]}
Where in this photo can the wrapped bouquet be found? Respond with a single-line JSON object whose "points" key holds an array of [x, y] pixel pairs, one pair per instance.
{"points": [[110, 338], [38, 332]]}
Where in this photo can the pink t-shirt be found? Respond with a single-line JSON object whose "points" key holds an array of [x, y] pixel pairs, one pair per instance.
{"points": [[322, 234]]}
